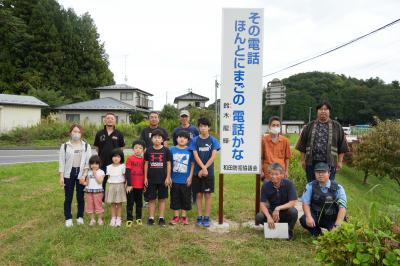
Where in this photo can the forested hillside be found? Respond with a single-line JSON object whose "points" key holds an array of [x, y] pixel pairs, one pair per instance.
{"points": [[354, 101], [50, 52]]}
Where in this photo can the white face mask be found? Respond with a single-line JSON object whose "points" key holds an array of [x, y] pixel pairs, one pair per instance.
{"points": [[275, 130], [76, 136]]}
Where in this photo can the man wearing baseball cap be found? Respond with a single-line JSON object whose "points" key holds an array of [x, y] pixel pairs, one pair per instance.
{"points": [[324, 202], [184, 117]]}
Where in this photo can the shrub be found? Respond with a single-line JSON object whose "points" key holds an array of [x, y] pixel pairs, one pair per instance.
{"points": [[297, 173], [353, 243], [356, 244]]}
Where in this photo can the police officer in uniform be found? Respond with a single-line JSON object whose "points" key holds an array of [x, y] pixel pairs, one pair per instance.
{"points": [[324, 202]]}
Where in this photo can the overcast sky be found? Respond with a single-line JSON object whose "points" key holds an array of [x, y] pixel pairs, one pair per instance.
{"points": [[175, 45]]}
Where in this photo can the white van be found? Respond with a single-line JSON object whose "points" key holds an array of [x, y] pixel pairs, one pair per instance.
{"points": [[347, 130]]}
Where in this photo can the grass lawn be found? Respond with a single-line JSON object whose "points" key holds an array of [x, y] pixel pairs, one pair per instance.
{"points": [[32, 228]]}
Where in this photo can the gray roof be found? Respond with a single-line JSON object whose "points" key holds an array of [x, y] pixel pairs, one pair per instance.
{"points": [[191, 97], [107, 103], [21, 100], [122, 87]]}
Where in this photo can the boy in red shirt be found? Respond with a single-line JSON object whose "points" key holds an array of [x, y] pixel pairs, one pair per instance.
{"points": [[135, 182]]}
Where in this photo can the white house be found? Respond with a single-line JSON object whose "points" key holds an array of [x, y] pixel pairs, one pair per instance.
{"points": [[119, 99], [19, 111], [133, 96], [190, 100]]}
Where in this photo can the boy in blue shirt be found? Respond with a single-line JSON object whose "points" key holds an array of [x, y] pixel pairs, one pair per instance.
{"points": [[204, 149], [182, 172]]}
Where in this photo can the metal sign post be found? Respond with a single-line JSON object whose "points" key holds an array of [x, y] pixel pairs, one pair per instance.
{"points": [[276, 96], [241, 93]]}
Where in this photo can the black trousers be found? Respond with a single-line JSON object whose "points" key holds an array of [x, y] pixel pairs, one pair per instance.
{"points": [[104, 168], [285, 216], [134, 197], [321, 221], [69, 185]]}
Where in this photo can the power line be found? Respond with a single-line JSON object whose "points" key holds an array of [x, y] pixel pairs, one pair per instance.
{"points": [[336, 48]]}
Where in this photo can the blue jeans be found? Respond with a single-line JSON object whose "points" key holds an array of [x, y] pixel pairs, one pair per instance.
{"points": [[69, 185], [311, 173]]}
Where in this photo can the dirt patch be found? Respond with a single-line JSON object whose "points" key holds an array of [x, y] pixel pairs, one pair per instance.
{"points": [[11, 179], [18, 227], [36, 193]]}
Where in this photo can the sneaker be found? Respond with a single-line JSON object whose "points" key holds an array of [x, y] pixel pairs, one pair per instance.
{"points": [[150, 221], [174, 220], [129, 223], [206, 221], [161, 221], [69, 223], [112, 221], [92, 222], [139, 222], [100, 222], [184, 220], [79, 221], [118, 222], [199, 221]]}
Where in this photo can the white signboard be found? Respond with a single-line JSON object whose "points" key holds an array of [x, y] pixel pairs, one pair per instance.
{"points": [[241, 90], [280, 231]]}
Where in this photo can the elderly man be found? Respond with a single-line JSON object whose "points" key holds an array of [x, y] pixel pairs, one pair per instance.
{"points": [[275, 148], [322, 140], [184, 118], [324, 202], [106, 140], [278, 199]]}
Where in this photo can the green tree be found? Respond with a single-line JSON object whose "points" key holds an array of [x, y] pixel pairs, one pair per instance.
{"points": [[51, 97], [379, 151], [196, 113], [137, 117], [169, 111], [45, 48]]}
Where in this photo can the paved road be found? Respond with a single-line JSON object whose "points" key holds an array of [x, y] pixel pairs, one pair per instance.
{"points": [[31, 156], [27, 156]]}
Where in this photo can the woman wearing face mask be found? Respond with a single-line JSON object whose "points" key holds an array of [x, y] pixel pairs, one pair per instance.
{"points": [[275, 148], [73, 168]]}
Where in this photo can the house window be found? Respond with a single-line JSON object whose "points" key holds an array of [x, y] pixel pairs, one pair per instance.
{"points": [[102, 119], [126, 96], [197, 104], [73, 118]]}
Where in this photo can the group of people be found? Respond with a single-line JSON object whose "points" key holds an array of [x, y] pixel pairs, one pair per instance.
{"points": [[322, 145], [186, 171], [152, 172]]}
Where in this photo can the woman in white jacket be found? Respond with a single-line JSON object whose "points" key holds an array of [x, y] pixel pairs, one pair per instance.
{"points": [[73, 168]]}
